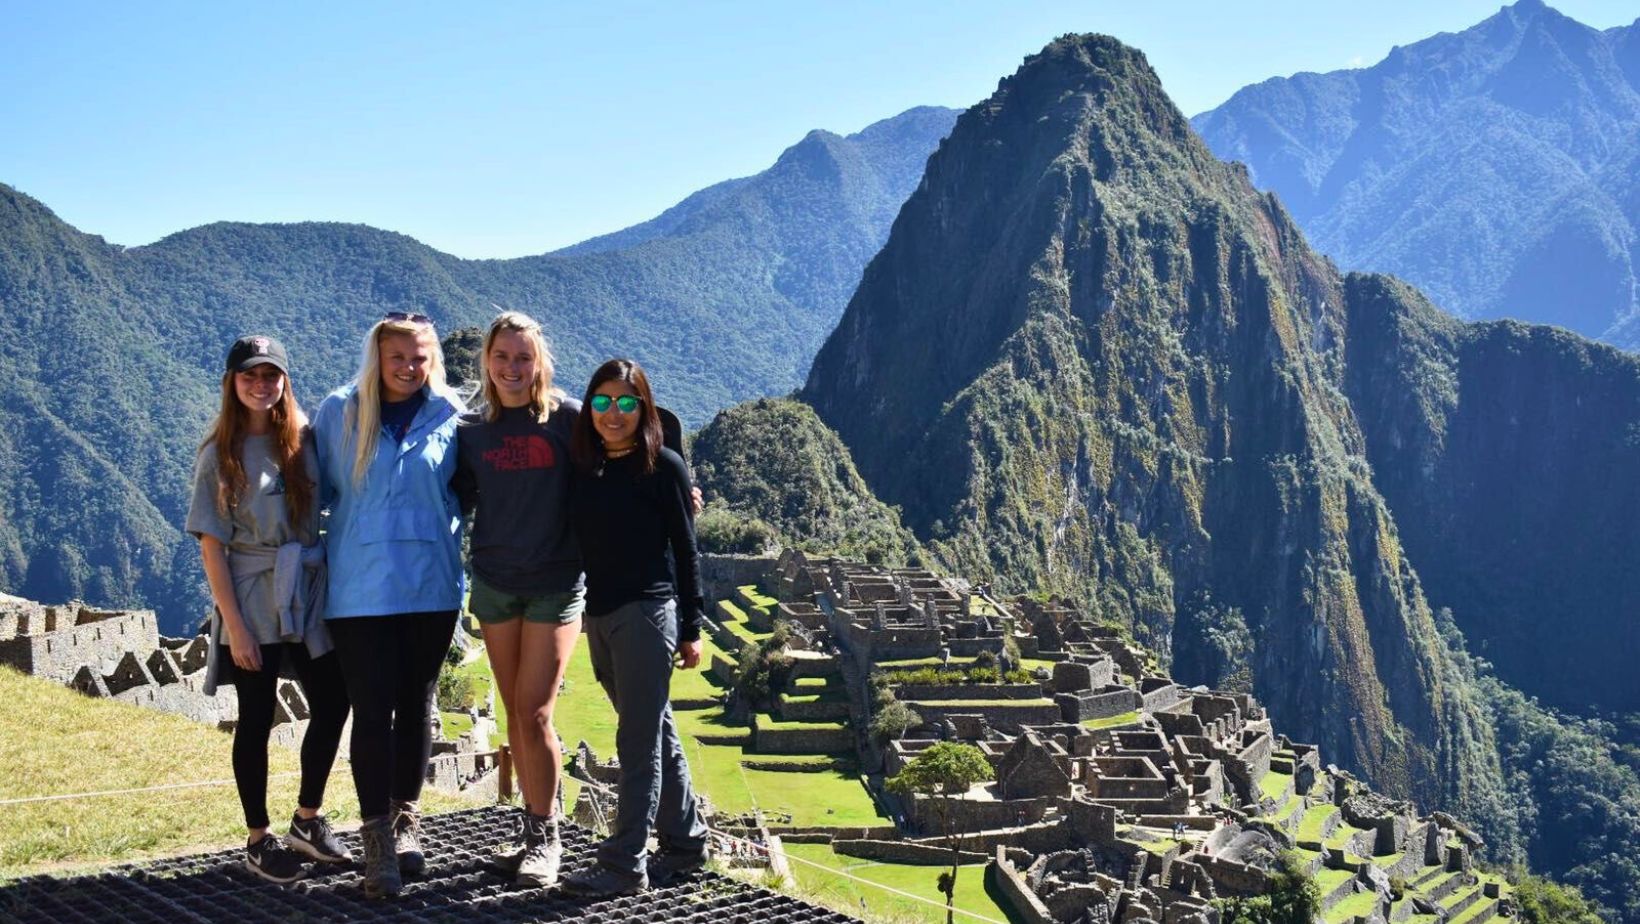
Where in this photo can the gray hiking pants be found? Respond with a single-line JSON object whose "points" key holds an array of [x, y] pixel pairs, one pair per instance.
{"points": [[632, 650]]}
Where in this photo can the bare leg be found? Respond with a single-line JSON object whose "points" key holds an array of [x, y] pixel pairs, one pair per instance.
{"points": [[544, 652], [502, 643]]}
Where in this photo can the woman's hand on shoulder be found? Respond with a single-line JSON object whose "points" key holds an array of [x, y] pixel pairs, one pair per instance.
{"points": [[688, 654]]}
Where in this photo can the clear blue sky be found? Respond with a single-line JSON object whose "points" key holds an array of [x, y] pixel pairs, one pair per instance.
{"points": [[496, 130]]}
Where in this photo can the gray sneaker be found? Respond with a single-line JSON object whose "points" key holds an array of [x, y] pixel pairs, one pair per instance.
{"points": [[381, 864], [599, 881], [667, 866], [406, 817]]}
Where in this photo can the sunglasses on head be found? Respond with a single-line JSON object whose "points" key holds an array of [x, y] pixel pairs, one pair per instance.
{"points": [[626, 404], [408, 316]]}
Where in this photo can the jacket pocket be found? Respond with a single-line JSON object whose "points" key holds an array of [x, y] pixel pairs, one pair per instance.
{"points": [[402, 525]]}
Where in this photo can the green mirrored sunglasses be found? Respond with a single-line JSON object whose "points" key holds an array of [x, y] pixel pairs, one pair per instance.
{"points": [[626, 404]]}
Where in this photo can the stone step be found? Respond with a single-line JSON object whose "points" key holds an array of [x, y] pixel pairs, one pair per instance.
{"points": [[1427, 875], [1481, 912], [1466, 897]]}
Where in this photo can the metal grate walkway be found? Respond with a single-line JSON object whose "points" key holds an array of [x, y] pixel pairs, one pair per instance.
{"points": [[458, 888]]}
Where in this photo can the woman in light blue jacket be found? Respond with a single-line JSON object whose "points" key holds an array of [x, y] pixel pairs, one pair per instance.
{"points": [[387, 448]]}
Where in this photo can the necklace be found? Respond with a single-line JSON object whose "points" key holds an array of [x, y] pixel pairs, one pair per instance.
{"points": [[617, 453]]}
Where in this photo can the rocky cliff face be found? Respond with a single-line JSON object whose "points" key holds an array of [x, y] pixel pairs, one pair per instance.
{"points": [[1508, 454], [1094, 359]]}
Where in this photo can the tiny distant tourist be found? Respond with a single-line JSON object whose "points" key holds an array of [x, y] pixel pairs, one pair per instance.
{"points": [[632, 504], [256, 514], [513, 473], [387, 451]]}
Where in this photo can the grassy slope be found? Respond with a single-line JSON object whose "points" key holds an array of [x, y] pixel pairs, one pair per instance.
{"points": [[54, 741], [828, 797], [845, 894]]}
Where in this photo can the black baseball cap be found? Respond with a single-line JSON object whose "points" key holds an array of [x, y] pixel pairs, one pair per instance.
{"points": [[248, 352]]}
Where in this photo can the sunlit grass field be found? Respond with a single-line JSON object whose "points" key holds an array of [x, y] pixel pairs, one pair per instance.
{"points": [[54, 741]]}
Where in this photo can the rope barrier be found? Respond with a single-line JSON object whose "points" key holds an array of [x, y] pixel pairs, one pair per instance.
{"points": [[336, 768], [876, 885], [202, 784]]}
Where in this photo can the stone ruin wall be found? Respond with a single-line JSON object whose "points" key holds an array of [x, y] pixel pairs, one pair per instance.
{"points": [[120, 655], [720, 575], [1019, 895]]}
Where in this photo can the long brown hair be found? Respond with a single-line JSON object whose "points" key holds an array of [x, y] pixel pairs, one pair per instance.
{"points": [[587, 447], [228, 432]]}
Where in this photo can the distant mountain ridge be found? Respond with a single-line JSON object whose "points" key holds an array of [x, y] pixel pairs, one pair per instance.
{"points": [[110, 356], [885, 160], [1497, 168]]}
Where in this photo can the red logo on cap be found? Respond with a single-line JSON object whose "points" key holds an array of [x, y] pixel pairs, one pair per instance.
{"points": [[260, 345]]}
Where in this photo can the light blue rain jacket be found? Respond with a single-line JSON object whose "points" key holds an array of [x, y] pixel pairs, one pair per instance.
{"points": [[393, 542]]}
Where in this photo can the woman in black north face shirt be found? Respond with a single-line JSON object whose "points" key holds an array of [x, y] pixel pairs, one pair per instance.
{"points": [[513, 472]]}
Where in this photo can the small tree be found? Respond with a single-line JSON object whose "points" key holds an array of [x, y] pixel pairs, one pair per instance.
{"points": [[881, 689], [1293, 898], [945, 770], [765, 667], [892, 720], [455, 689]]}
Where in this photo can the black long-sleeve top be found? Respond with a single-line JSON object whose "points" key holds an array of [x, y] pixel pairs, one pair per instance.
{"points": [[625, 521]]}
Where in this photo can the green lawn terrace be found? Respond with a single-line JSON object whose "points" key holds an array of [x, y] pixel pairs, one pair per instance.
{"points": [[820, 698], [810, 864], [793, 767], [1438, 894], [786, 775]]}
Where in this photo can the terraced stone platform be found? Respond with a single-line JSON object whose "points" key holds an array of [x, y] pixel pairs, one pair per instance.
{"points": [[214, 888]]}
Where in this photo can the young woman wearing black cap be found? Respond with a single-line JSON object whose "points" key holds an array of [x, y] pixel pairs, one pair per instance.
{"points": [[255, 513]]}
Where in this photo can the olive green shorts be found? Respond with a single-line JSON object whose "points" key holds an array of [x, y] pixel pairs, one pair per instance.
{"points": [[491, 605]]}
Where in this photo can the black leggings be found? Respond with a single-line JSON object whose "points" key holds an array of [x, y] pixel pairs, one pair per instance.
{"points": [[391, 665], [321, 680]]}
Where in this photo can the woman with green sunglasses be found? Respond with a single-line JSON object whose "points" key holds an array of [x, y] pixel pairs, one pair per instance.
{"points": [[632, 505]]}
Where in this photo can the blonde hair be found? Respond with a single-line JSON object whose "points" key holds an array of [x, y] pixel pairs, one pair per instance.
{"points": [[544, 398], [364, 412]]}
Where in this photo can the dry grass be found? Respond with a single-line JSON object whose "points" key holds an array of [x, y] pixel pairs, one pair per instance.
{"points": [[53, 741]]}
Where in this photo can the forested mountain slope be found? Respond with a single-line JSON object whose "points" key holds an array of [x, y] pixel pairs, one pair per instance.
{"points": [[1495, 168]]}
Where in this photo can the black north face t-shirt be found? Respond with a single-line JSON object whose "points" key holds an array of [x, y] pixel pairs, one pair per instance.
{"points": [[517, 473]]}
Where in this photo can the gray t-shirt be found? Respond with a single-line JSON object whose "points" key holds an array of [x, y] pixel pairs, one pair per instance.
{"points": [[257, 523]]}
